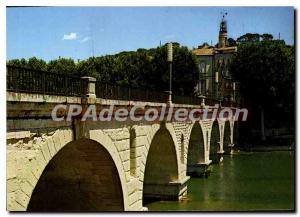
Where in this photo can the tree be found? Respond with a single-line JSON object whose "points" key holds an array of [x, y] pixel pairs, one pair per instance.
{"points": [[266, 64], [17, 62], [231, 42], [266, 37], [35, 63], [62, 66], [144, 68], [248, 37], [266, 72], [32, 63], [184, 70]]}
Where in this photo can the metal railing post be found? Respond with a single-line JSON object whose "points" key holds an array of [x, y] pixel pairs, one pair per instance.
{"points": [[129, 94], [66, 84], [44, 83]]}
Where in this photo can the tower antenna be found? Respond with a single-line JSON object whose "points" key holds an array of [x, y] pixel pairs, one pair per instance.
{"points": [[93, 49], [224, 14]]}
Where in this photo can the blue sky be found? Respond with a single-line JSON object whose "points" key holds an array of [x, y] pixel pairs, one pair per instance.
{"points": [[80, 32]]}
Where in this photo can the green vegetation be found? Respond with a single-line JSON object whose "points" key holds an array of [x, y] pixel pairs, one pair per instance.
{"points": [[144, 68], [266, 72], [254, 37]]}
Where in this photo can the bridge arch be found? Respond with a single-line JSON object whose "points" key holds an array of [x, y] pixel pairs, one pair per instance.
{"points": [[33, 172], [214, 145], [196, 146], [161, 164], [82, 176]]}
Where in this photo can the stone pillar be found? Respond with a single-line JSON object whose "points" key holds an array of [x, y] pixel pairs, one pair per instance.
{"points": [[90, 91], [231, 146], [173, 190], [199, 169], [89, 97]]}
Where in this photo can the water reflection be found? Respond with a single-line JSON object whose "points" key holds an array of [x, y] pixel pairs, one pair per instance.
{"points": [[244, 181]]}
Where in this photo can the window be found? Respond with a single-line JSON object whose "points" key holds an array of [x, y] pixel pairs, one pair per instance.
{"points": [[202, 87], [202, 67]]}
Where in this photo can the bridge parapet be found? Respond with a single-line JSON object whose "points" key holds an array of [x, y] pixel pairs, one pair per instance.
{"points": [[25, 80]]}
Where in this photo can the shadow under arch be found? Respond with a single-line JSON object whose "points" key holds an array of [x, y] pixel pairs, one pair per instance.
{"points": [[227, 137], [196, 148], [82, 176], [214, 148], [235, 133], [161, 168]]}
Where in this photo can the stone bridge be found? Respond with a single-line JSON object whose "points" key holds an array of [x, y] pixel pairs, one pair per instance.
{"points": [[103, 166]]}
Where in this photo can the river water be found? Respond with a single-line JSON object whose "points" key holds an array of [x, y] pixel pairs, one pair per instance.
{"points": [[258, 181]]}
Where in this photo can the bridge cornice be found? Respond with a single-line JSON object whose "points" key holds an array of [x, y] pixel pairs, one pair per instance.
{"points": [[15, 97]]}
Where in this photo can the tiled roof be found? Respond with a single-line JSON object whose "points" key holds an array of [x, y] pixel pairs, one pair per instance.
{"points": [[203, 51], [226, 49], [212, 51]]}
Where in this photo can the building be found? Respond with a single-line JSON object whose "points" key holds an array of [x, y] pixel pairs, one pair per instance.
{"points": [[215, 80]]}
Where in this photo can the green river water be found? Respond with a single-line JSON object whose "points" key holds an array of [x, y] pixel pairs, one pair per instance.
{"points": [[258, 181]]}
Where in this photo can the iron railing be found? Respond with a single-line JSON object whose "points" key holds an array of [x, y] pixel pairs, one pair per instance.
{"points": [[20, 79], [187, 100], [211, 101], [110, 91]]}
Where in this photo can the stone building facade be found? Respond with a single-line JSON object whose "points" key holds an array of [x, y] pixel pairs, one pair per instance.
{"points": [[215, 80]]}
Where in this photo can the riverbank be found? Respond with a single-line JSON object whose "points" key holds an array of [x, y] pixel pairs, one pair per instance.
{"points": [[267, 148], [274, 144]]}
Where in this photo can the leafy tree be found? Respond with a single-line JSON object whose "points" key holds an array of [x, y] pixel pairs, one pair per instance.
{"points": [[62, 66], [184, 70], [266, 71], [249, 37], [33, 63], [231, 42], [36, 63], [144, 68], [266, 37], [17, 62]]}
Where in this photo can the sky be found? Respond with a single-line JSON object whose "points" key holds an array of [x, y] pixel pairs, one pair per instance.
{"points": [[81, 32]]}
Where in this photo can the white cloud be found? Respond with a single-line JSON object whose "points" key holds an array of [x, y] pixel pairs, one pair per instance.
{"points": [[71, 36], [85, 39]]}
